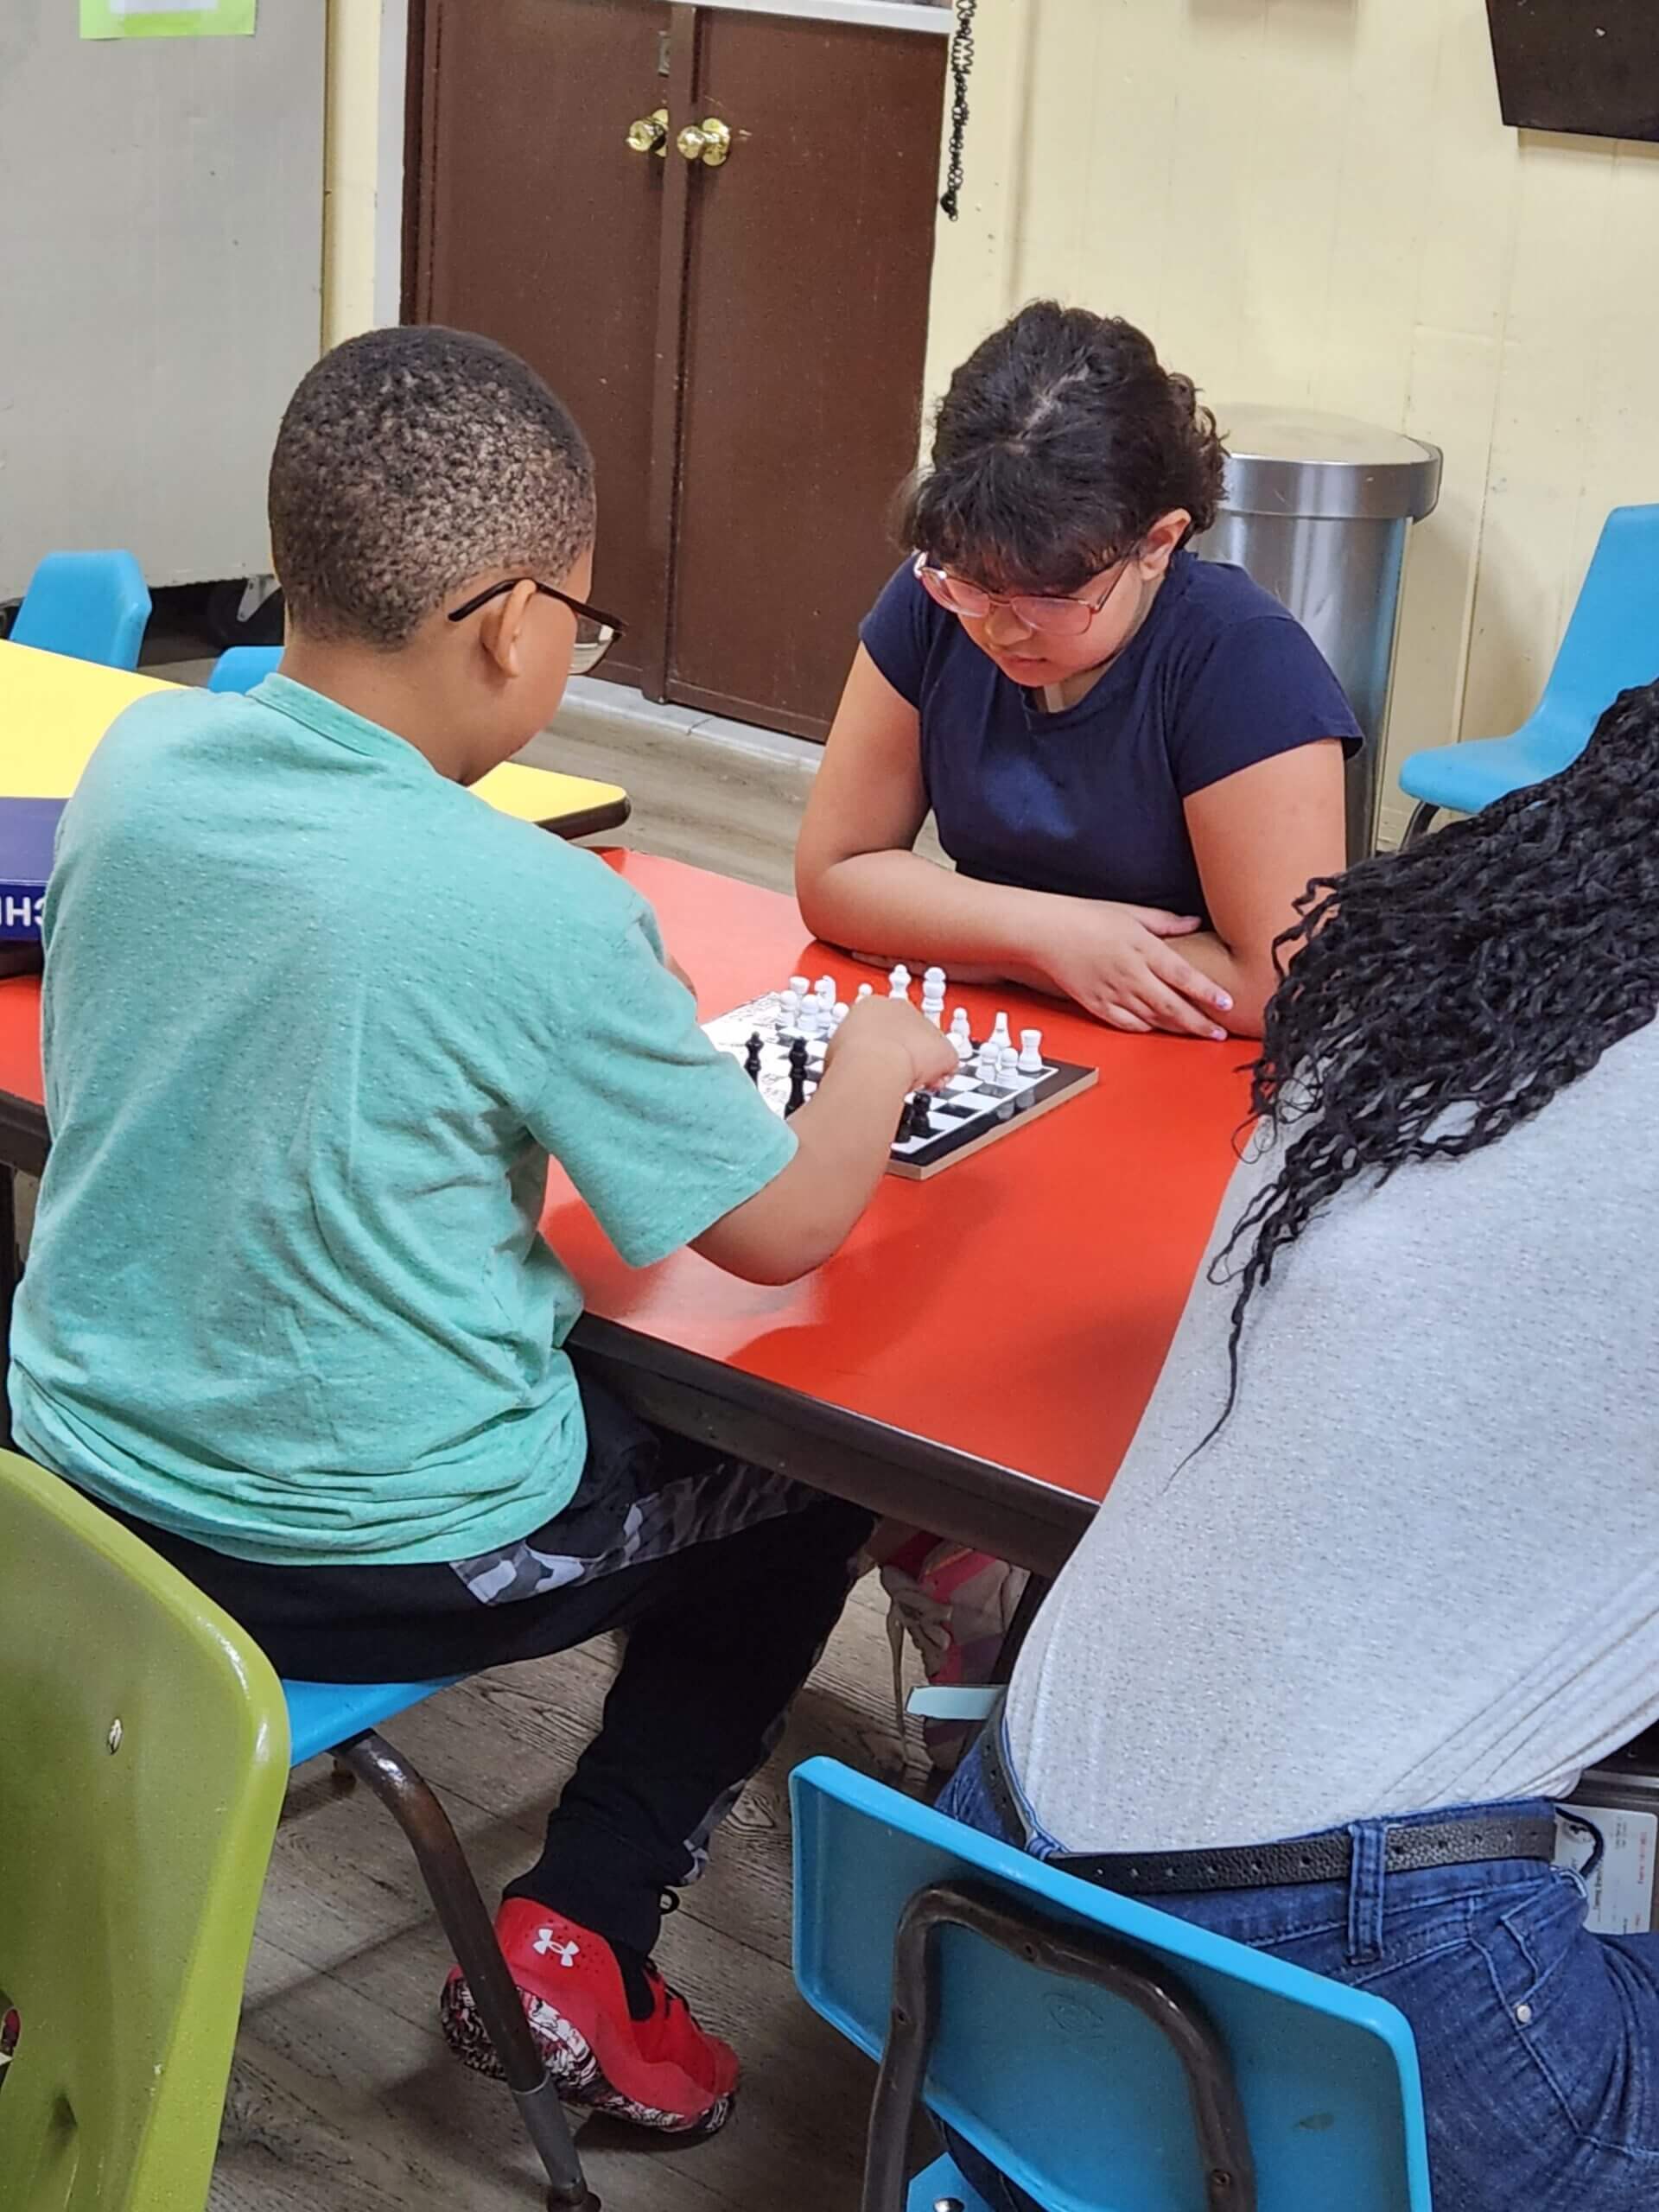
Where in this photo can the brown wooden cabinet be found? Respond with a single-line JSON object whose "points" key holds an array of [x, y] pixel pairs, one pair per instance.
{"points": [[743, 343]]}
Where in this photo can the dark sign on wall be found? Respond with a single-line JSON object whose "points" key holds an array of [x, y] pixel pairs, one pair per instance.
{"points": [[1585, 66]]}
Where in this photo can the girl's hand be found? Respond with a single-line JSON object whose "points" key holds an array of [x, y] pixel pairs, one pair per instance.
{"points": [[1118, 963]]}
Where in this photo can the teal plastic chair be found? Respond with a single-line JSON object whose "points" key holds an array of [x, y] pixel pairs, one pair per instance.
{"points": [[1107, 2056], [1611, 643], [90, 606], [238, 668]]}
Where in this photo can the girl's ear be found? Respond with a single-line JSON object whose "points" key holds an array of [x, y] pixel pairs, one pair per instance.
{"points": [[1158, 547]]}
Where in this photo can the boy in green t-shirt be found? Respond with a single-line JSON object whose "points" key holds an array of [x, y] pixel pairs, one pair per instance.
{"points": [[315, 1020]]}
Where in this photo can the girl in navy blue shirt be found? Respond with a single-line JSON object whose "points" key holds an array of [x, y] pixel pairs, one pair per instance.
{"points": [[1134, 757]]}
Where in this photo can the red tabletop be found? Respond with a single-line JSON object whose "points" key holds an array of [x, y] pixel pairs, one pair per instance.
{"points": [[1016, 1307], [1012, 1311]]}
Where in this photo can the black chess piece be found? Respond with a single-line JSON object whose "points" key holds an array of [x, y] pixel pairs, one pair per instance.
{"points": [[752, 1064], [921, 1123], [797, 1076]]}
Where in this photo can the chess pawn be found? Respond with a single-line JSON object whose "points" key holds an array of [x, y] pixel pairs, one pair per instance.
{"points": [[985, 1068], [866, 990], [799, 985], [826, 992], [1007, 1065], [837, 1015], [899, 982]]}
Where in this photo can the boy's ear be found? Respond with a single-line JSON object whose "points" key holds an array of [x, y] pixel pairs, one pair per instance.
{"points": [[501, 628]]}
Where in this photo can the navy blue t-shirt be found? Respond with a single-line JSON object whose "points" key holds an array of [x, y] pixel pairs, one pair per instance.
{"points": [[1089, 801]]}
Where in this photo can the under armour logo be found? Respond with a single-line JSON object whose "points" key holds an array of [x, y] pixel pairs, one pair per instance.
{"points": [[566, 1953]]}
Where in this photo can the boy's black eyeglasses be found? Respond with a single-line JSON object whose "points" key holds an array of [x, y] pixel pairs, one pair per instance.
{"points": [[595, 632]]}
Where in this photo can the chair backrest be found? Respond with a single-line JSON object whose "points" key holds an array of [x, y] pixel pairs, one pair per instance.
{"points": [[143, 1749], [238, 668], [91, 605], [1612, 639], [1069, 2089]]}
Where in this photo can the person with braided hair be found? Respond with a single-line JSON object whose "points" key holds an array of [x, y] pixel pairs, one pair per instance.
{"points": [[1379, 1576]]}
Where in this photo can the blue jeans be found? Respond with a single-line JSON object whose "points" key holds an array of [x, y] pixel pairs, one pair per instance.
{"points": [[1539, 2042]]}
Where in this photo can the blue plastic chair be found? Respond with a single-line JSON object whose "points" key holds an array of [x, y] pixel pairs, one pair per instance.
{"points": [[90, 606], [343, 1718], [1108, 2056], [1611, 643], [238, 668]]}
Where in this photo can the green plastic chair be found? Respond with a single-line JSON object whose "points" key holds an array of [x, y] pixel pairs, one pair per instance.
{"points": [[143, 1752]]}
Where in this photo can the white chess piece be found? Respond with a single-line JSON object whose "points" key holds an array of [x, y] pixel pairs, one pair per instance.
{"points": [[837, 1015], [826, 992], [1031, 1051], [866, 990], [899, 982], [799, 985], [1007, 1065], [1000, 1036], [985, 1067]]}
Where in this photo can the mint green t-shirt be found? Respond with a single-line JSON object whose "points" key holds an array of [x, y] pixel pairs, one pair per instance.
{"points": [[314, 1020]]}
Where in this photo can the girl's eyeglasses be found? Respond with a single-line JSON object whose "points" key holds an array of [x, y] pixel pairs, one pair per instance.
{"points": [[1063, 618], [595, 632]]}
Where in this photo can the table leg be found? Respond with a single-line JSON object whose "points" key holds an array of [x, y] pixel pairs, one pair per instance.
{"points": [[1031, 1601]]}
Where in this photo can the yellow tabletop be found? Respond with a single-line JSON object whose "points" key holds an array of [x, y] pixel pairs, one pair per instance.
{"points": [[54, 710]]}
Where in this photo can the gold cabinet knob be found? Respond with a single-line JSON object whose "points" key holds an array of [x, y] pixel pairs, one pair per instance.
{"points": [[709, 143], [649, 135]]}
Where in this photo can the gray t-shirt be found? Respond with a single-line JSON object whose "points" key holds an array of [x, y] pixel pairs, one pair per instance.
{"points": [[1420, 1564]]}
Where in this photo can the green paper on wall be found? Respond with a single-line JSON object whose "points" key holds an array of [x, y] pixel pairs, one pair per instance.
{"points": [[167, 18]]}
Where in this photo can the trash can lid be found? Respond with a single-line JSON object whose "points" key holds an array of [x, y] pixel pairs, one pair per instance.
{"points": [[1284, 460]]}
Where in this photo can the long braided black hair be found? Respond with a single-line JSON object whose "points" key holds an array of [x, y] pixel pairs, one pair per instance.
{"points": [[1485, 970]]}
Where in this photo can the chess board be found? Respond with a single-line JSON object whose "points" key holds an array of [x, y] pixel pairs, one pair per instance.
{"points": [[966, 1115]]}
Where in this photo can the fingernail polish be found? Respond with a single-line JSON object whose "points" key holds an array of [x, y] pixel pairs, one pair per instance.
{"points": [[1224, 1001], [1219, 1035]]}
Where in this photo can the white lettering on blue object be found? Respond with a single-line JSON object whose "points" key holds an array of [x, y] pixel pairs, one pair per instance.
{"points": [[24, 913]]}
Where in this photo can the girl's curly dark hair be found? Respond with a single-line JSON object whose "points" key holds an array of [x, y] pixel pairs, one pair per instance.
{"points": [[1061, 441], [1485, 970]]}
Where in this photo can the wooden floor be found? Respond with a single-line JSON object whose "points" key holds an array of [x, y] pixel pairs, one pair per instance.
{"points": [[344, 2098]]}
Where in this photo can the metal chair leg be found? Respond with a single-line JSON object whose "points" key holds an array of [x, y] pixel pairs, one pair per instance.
{"points": [[448, 1878], [1224, 2142], [1422, 820]]}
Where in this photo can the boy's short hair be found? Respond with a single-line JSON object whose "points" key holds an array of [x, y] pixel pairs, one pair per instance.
{"points": [[409, 460]]}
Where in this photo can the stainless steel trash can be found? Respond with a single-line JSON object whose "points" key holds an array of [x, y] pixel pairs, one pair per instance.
{"points": [[1316, 508]]}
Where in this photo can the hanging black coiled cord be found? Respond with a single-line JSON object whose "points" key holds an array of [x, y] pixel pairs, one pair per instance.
{"points": [[962, 61]]}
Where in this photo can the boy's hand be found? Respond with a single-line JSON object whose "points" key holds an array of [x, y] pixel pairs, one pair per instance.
{"points": [[843, 1135], [892, 1032], [1118, 963]]}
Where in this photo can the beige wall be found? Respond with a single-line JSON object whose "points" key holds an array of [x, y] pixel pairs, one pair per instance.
{"points": [[354, 175], [1316, 200]]}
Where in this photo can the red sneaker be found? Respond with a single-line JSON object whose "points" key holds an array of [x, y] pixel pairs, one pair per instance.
{"points": [[661, 2072]]}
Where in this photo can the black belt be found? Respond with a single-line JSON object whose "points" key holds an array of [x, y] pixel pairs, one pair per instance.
{"points": [[1411, 1848]]}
